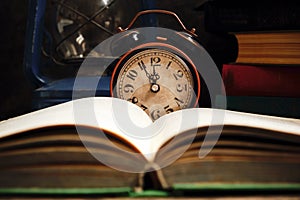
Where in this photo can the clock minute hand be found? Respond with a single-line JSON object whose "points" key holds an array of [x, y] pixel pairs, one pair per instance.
{"points": [[152, 77], [143, 67]]}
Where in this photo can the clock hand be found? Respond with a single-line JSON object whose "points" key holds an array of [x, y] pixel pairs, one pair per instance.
{"points": [[155, 76], [143, 67], [152, 79]]}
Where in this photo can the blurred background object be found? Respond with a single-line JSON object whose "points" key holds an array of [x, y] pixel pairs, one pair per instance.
{"points": [[70, 29]]}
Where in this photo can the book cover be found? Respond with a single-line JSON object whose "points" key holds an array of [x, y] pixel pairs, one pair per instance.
{"points": [[251, 80]]}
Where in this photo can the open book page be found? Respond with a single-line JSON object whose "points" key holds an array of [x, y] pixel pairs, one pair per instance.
{"points": [[174, 123], [132, 124], [55, 157], [65, 114], [242, 156], [50, 141], [96, 112]]}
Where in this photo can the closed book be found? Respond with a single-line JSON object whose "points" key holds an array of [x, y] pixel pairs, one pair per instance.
{"points": [[247, 80], [282, 48]]}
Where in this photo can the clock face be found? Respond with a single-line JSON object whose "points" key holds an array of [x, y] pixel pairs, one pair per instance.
{"points": [[157, 80]]}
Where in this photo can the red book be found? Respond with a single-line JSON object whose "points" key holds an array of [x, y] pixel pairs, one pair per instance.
{"points": [[246, 80]]}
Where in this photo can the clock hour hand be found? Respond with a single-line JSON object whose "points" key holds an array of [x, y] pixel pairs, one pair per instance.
{"points": [[155, 76]]}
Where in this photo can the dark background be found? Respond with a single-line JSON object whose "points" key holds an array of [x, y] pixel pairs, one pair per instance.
{"points": [[15, 88]]}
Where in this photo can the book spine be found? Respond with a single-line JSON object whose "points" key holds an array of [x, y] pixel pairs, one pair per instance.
{"points": [[276, 106], [247, 80]]}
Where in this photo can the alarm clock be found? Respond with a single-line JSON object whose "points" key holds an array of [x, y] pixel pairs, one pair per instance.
{"points": [[155, 70], [159, 69]]}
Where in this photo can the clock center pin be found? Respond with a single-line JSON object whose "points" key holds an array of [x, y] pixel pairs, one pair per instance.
{"points": [[155, 88]]}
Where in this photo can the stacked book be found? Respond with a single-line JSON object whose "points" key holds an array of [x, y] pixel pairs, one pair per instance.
{"points": [[265, 78]]}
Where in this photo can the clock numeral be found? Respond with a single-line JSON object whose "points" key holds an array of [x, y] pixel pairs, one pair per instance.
{"points": [[128, 88], [168, 65], [180, 87], [178, 101], [155, 114], [144, 107], [168, 109], [178, 74], [132, 74], [155, 61], [133, 100]]}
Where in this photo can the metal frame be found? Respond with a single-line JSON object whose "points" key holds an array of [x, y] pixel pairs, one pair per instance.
{"points": [[33, 42]]}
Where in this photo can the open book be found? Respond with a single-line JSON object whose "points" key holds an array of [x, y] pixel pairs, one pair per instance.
{"points": [[103, 144]]}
